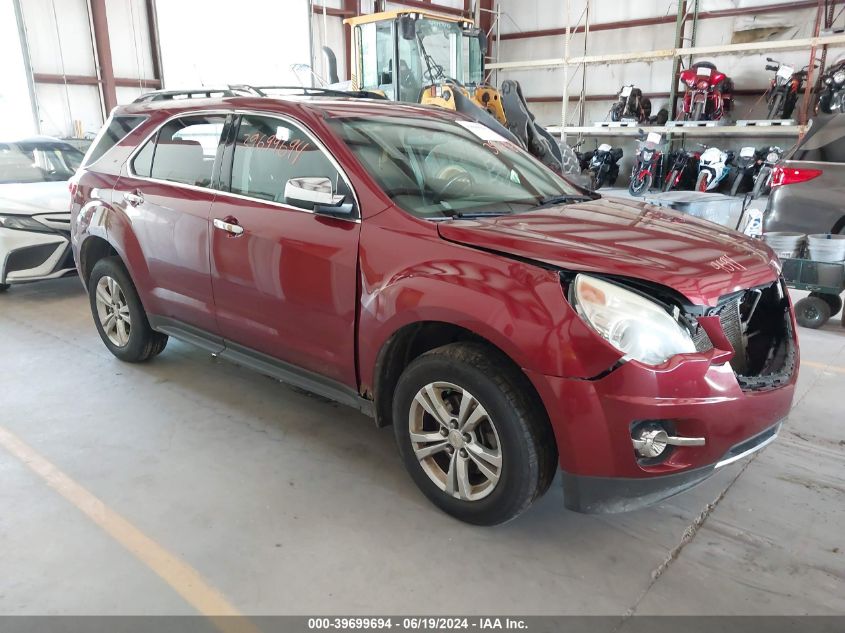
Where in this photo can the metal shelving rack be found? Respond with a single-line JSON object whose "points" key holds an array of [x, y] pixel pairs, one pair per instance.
{"points": [[688, 13]]}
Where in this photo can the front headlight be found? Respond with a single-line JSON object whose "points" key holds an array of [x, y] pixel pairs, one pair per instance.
{"points": [[636, 326], [772, 157], [22, 223], [839, 76]]}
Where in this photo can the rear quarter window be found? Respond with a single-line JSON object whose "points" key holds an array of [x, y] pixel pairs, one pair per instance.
{"points": [[115, 130]]}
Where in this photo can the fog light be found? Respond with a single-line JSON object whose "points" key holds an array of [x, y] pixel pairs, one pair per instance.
{"points": [[651, 440]]}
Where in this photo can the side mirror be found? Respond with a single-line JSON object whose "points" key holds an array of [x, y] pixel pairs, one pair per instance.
{"points": [[407, 27], [316, 193]]}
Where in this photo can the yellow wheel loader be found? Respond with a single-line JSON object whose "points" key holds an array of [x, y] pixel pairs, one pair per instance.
{"points": [[424, 57]]}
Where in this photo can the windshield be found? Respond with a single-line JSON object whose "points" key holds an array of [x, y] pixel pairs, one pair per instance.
{"points": [[440, 51], [436, 168], [37, 162]]}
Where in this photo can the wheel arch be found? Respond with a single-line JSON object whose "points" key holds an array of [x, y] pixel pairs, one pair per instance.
{"points": [[92, 250], [839, 227], [414, 339]]}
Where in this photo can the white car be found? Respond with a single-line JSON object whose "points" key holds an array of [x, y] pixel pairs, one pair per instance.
{"points": [[35, 210]]}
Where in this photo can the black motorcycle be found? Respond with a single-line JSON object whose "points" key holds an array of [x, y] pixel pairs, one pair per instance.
{"points": [[604, 165], [832, 97], [746, 165], [631, 105], [763, 177], [682, 170], [784, 89]]}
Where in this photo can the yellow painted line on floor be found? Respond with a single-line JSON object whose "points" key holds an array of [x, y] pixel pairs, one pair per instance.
{"points": [[823, 366], [183, 578]]}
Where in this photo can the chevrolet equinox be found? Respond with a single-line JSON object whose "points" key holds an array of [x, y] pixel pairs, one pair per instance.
{"points": [[414, 264]]}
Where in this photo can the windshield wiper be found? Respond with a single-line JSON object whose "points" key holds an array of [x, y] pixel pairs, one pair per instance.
{"points": [[550, 201], [465, 215]]}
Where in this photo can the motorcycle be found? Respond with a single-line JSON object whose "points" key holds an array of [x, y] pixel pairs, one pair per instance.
{"points": [[784, 89], [631, 105], [708, 95], [832, 97], [747, 165], [647, 163], [713, 167], [763, 177], [604, 165], [683, 168]]}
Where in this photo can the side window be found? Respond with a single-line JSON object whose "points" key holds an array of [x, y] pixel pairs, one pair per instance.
{"points": [[142, 164], [183, 151], [377, 72], [269, 152], [115, 130]]}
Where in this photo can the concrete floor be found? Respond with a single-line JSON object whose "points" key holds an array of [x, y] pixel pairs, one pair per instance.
{"points": [[287, 504]]}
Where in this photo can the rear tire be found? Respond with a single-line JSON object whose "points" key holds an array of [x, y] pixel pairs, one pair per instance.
{"points": [[487, 465], [812, 312], [834, 302], [119, 315]]}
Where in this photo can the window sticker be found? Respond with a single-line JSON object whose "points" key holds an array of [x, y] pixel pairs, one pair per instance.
{"points": [[482, 131]]}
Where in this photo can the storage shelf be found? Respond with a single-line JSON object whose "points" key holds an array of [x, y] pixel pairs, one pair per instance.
{"points": [[716, 130]]}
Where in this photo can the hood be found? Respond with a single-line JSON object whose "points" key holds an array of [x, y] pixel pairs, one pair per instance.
{"points": [[32, 198], [700, 260]]}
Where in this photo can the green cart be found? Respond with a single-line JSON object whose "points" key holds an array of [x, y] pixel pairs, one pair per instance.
{"points": [[824, 280]]}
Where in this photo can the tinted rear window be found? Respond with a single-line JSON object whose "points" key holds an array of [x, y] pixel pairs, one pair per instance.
{"points": [[112, 133], [824, 143]]}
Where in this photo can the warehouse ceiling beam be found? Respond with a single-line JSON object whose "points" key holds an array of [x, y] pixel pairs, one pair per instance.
{"points": [[668, 19], [102, 46]]}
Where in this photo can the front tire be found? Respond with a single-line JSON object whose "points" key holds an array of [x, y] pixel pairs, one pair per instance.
{"points": [[4, 287], [775, 106], [761, 182], [640, 185], [471, 437], [119, 315]]}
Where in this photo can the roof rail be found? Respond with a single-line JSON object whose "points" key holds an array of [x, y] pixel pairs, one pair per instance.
{"points": [[267, 91], [246, 90], [194, 93]]}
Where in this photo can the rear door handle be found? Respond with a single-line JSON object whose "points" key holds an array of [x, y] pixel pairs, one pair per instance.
{"points": [[133, 199], [230, 227]]}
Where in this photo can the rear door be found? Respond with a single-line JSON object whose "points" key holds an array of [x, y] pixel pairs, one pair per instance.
{"points": [[284, 277], [166, 194]]}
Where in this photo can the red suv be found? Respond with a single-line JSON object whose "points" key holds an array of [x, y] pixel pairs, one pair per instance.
{"points": [[414, 264]]}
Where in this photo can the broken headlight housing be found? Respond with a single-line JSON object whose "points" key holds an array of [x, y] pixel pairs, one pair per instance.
{"points": [[638, 327]]}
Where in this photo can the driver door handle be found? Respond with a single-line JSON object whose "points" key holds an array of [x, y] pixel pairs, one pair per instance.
{"points": [[232, 228]]}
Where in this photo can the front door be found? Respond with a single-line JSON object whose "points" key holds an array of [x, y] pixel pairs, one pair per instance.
{"points": [[284, 277]]}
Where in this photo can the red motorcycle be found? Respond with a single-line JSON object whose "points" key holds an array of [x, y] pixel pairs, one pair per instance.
{"points": [[708, 94]]}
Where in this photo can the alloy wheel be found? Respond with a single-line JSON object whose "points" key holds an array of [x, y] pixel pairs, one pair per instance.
{"points": [[455, 441], [113, 311]]}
